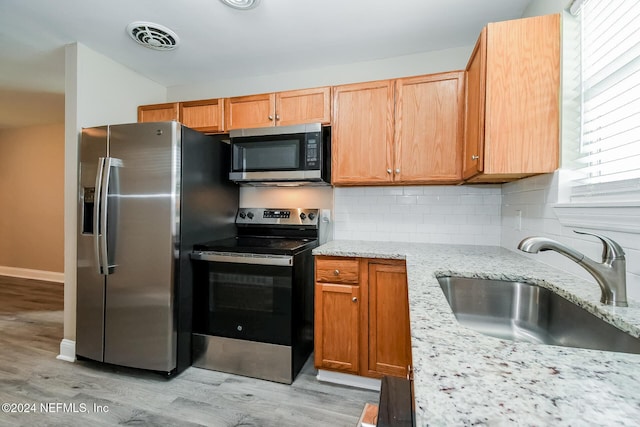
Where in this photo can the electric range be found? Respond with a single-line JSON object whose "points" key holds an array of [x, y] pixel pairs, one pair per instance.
{"points": [[253, 295]]}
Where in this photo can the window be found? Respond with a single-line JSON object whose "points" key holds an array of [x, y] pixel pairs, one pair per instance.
{"points": [[607, 167]]}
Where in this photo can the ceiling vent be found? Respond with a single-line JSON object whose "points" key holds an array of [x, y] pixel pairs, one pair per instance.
{"points": [[153, 36], [241, 4]]}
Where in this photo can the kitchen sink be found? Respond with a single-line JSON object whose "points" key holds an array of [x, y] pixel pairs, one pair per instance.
{"points": [[524, 312]]}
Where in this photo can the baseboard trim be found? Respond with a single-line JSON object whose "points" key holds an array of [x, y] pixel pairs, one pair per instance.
{"points": [[25, 273], [67, 351], [348, 379]]}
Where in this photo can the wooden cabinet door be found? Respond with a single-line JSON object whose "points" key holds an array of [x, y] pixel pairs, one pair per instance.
{"points": [[429, 128], [522, 96], [158, 112], [252, 111], [388, 331], [336, 327], [362, 133], [303, 106], [473, 153], [206, 115]]}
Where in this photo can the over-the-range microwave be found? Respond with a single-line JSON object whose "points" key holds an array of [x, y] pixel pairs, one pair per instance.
{"points": [[284, 155]]}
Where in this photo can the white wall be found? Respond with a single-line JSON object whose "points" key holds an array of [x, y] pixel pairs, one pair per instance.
{"points": [[98, 91], [402, 66]]}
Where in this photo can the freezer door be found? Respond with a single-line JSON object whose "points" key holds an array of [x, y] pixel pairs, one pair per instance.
{"points": [[140, 328], [90, 283]]}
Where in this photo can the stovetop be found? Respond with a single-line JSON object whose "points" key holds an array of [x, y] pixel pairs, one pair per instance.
{"points": [[258, 245], [269, 231]]}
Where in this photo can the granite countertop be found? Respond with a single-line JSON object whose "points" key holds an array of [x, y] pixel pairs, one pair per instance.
{"points": [[462, 377]]}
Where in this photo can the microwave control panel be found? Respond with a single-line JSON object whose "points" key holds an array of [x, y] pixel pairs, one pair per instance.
{"points": [[312, 155]]}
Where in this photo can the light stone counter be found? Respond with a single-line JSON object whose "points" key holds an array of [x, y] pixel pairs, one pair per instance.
{"points": [[462, 377]]}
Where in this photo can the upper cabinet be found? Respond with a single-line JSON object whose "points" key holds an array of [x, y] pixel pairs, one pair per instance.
{"points": [[429, 129], [512, 113], [405, 131], [205, 115], [362, 133], [496, 121], [158, 112], [279, 109], [253, 111]]}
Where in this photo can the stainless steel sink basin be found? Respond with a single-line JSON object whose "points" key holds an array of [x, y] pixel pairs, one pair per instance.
{"points": [[524, 312]]}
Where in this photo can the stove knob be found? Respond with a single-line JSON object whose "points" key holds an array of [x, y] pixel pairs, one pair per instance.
{"points": [[312, 216], [242, 215], [250, 215], [303, 216]]}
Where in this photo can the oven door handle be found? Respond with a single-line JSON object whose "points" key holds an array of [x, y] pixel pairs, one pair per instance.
{"points": [[277, 260]]}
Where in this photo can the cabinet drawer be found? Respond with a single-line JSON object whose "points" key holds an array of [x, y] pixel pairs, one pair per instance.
{"points": [[337, 270]]}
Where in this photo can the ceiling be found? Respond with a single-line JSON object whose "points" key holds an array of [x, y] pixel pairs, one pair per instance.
{"points": [[217, 42]]}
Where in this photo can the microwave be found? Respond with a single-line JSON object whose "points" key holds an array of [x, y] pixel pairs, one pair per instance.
{"points": [[286, 155]]}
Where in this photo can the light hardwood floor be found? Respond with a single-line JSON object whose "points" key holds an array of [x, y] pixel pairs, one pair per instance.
{"points": [[30, 333]]}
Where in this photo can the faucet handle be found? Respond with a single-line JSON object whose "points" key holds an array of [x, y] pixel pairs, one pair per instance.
{"points": [[610, 250]]}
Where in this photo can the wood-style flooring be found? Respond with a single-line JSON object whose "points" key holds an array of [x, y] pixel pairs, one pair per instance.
{"points": [[58, 393]]}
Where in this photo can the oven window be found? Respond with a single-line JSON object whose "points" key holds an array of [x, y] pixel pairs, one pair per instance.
{"points": [[244, 292], [266, 155]]}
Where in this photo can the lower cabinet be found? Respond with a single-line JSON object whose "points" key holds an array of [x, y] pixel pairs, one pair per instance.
{"points": [[362, 328], [337, 322]]}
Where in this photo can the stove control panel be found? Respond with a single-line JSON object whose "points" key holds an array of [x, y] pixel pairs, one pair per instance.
{"points": [[286, 214], [289, 217]]}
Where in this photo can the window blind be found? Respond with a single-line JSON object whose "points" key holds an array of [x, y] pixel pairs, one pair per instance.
{"points": [[608, 162]]}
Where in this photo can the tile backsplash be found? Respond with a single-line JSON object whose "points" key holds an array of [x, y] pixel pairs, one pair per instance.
{"points": [[429, 214], [527, 210], [500, 215]]}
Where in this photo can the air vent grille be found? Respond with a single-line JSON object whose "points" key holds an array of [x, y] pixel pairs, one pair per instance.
{"points": [[241, 4], [153, 36]]}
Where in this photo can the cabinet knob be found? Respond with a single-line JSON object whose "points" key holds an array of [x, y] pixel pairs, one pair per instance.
{"points": [[277, 116], [398, 170], [389, 171], [336, 272], [270, 117], [354, 299], [475, 157]]}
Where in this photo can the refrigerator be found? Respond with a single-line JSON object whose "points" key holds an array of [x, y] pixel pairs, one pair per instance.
{"points": [[146, 193]]}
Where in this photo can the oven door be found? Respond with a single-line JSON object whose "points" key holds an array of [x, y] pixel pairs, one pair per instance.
{"points": [[243, 296]]}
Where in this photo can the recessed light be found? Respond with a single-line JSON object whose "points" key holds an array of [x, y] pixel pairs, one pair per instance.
{"points": [[241, 4]]}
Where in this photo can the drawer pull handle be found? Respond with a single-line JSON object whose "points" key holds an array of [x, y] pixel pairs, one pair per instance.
{"points": [[336, 272], [354, 299]]}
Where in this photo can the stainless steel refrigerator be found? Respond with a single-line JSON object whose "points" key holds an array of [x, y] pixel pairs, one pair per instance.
{"points": [[146, 193]]}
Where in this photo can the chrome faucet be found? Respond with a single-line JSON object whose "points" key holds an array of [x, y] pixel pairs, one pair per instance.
{"points": [[610, 273]]}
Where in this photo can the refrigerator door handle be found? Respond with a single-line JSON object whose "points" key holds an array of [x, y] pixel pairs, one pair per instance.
{"points": [[97, 215], [107, 224]]}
